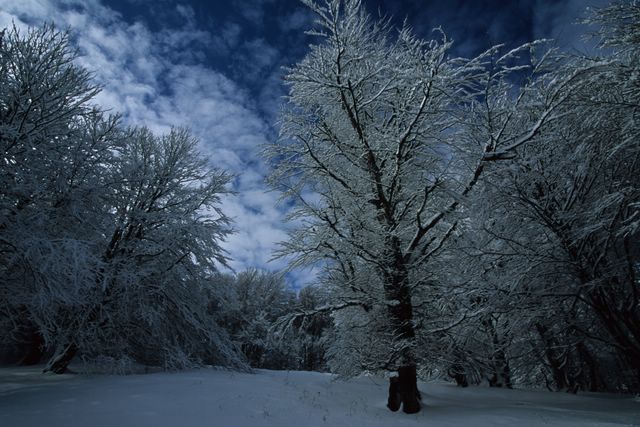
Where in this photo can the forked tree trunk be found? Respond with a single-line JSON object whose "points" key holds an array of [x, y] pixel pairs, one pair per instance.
{"points": [[403, 391], [61, 359]]}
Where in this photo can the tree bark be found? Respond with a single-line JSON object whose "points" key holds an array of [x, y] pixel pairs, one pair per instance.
{"points": [[400, 309], [554, 360], [501, 375], [457, 372], [395, 397], [501, 372], [59, 363], [407, 378], [593, 382]]}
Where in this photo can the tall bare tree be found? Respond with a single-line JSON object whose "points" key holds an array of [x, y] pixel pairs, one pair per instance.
{"points": [[383, 138]]}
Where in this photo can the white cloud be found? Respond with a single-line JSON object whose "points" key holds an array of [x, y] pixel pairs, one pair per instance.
{"points": [[153, 78]]}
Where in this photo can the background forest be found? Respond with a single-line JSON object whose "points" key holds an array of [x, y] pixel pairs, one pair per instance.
{"points": [[475, 219]]}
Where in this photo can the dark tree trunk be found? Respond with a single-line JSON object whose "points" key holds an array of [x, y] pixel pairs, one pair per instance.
{"points": [[408, 381], [401, 313], [593, 382], [400, 309], [556, 360], [459, 375], [403, 391], [35, 349], [501, 372], [60, 361], [395, 397]]}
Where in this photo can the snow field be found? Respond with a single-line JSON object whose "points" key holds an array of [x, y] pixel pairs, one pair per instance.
{"points": [[210, 397]]}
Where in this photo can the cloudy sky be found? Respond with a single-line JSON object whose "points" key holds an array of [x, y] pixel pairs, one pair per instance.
{"points": [[216, 67]]}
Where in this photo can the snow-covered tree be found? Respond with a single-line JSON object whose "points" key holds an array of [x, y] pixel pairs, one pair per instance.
{"points": [[253, 306], [54, 146], [255, 300], [383, 139], [160, 247], [562, 221], [108, 235]]}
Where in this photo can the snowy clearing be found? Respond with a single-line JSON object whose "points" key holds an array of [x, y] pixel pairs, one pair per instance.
{"points": [[279, 398]]}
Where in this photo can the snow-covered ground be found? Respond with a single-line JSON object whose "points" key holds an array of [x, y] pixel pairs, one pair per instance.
{"points": [[210, 397]]}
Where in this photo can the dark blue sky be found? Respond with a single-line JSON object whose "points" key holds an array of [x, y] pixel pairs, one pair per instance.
{"points": [[275, 29], [216, 67]]}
